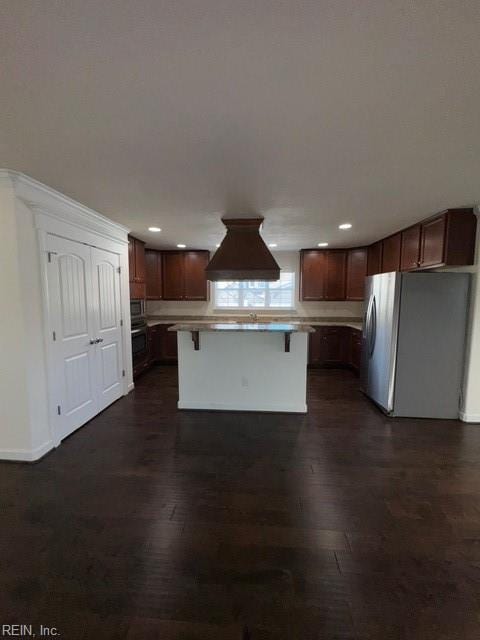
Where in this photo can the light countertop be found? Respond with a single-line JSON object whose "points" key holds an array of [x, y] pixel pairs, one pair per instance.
{"points": [[278, 327], [354, 323]]}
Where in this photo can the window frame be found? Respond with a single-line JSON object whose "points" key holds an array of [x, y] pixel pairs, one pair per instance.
{"points": [[243, 285]]}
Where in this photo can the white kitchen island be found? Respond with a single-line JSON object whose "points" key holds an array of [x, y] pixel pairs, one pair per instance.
{"points": [[242, 366]]}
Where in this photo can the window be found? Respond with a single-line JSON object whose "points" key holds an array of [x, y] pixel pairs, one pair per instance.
{"points": [[256, 294]]}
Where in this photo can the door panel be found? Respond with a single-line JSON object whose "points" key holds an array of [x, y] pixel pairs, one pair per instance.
{"points": [[336, 275], [71, 316], [391, 253], [356, 272], [108, 330], [312, 275], [374, 259], [173, 275], [196, 285], [433, 242], [410, 248]]}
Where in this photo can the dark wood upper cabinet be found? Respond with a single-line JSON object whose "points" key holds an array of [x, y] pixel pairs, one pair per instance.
{"points": [[136, 268], [139, 261], [336, 275], [173, 275], [153, 270], [323, 274], [196, 283], [136, 260], [391, 253], [356, 272], [448, 239], [131, 259], [433, 242], [312, 274], [183, 275], [374, 258], [410, 253]]}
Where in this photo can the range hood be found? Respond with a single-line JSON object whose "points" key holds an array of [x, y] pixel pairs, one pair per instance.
{"points": [[243, 255]]}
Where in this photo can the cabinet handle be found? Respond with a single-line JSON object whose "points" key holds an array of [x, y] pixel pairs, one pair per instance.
{"points": [[93, 341]]}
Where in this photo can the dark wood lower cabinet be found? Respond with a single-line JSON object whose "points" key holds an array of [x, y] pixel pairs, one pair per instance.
{"points": [[163, 344], [335, 346]]}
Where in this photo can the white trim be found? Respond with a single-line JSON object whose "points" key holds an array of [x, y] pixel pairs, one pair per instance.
{"points": [[130, 387], [267, 408], [26, 455], [469, 417], [36, 194]]}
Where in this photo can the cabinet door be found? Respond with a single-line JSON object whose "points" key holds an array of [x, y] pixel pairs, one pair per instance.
{"points": [[355, 348], [139, 261], [169, 344], [433, 242], [196, 284], [356, 272], [315, 345], [312, 275], [335, 345], [410, 253], [391, 253], [335, 282], [156, 346], [173, 275], [153, 273], [374, 258], [131, 259]]}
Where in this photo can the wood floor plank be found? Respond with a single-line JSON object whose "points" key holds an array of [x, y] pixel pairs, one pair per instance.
{"points": [[150, 522]]}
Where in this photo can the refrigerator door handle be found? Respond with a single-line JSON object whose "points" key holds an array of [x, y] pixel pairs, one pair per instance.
{"points": [[372, 326]]}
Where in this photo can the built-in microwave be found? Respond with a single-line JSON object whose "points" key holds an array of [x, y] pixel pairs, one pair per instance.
{"points": [[137, 310]]}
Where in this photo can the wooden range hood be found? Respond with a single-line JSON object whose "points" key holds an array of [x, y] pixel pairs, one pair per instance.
{"points": [[243, 255]]}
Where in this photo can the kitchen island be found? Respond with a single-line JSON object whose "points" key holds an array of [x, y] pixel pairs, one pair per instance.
{"points": [[242, 366]]}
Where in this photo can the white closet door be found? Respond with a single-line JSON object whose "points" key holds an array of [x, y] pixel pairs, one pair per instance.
{"points": [[108, 331], [72, 326]]}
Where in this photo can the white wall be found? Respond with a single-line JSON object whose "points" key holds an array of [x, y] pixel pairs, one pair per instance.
{"points": [[471, 387], [15, 435], [288, 261]]}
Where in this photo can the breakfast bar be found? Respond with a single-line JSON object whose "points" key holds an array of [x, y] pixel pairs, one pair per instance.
{"points": [[242, 366]]}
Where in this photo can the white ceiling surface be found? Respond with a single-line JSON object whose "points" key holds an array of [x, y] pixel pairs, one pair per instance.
{"points": [[312, 113]]}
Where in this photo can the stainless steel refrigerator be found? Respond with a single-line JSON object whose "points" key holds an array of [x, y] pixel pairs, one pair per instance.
{"points": [[414, 342]]}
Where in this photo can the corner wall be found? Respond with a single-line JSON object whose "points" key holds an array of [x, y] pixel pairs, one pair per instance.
{"points": [[471, 388], [15, 437]]}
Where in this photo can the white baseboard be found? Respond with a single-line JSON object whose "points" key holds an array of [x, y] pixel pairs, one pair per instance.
{"points": [[469, 417], [217, 406], [130, 387], [26, 455]]}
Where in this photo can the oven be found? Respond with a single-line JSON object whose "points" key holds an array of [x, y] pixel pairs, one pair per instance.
{"points": [[139, 343]]}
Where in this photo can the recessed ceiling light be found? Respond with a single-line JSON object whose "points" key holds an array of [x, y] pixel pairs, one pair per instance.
{"points": [[272, 244], [181, 246], [154, 229], [345, 225], [217, 245], [322, 244]]}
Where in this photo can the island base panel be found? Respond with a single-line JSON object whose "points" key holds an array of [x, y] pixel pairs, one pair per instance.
{"points": [[243, 372]]}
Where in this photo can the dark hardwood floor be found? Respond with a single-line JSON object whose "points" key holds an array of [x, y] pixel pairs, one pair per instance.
{"points": [[153, 523]]}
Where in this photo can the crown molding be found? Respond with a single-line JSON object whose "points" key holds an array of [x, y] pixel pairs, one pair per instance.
{"points": [[47, 201]]}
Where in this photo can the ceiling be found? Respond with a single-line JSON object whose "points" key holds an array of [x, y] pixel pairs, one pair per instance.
{"points": [[311, 113]]}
